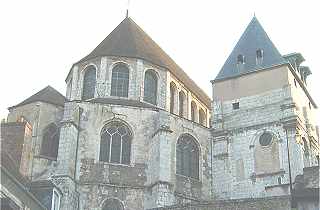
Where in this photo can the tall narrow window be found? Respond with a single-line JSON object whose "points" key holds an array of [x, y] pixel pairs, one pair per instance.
{"points": [[89, 83], [115, 144], [193, 111], [50, 141], [173, 90], [187, 157], [202, 117], [240, 59], [120, 80], [112, 204], [150, 87], [259, 56], [182, 101]]}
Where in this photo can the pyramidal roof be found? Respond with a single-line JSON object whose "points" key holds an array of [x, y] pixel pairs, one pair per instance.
{"points": [[253, 39], [47, 95], [129, 40]]}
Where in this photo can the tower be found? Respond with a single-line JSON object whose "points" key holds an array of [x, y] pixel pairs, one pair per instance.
{"points": [[263, 135]]}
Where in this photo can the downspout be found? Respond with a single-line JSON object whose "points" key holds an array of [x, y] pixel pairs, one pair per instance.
{"points": [[289, 165], [76, 156]]}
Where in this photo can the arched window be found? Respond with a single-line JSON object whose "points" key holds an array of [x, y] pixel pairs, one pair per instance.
{"points": [[120, 80], [150, 87], [266, 153], [182, 101], [193, 111], [89, 83], [112, 204], [115, 144], [187, 157], [50, 141], [173, 91], [202, 117]]}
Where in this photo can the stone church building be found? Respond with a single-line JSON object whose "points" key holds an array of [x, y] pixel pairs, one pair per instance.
{"points": [[135, 132]]}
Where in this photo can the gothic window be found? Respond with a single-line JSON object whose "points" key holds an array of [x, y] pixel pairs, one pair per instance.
{"points": [[266, 154], [50, 141], [187, 157], [182, 101], [115, 144], [193, 111], [112, 204], [150, 87], [202, 117], [89, 83], [173, 91], [120, 80]]}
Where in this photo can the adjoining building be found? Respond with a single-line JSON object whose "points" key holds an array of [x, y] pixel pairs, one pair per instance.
{"points": [[135, 132]]}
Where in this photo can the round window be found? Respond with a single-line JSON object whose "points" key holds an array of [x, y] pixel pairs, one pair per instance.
{"points": [[265, 139]]}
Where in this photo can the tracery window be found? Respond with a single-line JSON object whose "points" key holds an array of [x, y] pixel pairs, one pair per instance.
{"points": [[193, 111], [182, 99], [187, 157], [50, 141], [112, 204], [150, 87], [173, 90], [115, 144], [89, 83], [202, 117], [120, 80]]}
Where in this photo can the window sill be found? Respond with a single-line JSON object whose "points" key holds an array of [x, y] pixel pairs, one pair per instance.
{"points": [[264, 174], [45, 157], [116, 164], [189, 178]]}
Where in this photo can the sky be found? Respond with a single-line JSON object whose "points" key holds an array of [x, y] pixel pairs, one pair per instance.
{"points": [[40, 40]]}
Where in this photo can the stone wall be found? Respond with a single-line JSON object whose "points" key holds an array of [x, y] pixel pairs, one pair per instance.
{"points": [[271, 203]]}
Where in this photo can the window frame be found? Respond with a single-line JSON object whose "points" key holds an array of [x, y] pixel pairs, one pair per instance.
{"points": [[156, 77], [113, 67], [54, 190], [57, 132], [198, 158], [89, 67], [130, 139]]}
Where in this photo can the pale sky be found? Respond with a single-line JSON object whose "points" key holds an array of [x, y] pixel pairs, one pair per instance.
{"points": [[40, 40]]}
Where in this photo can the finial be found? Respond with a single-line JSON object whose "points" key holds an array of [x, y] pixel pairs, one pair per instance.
{"points": [[127, 12], [254, 14]]}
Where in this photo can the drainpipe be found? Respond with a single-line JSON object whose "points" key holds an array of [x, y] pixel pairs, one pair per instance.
{"points": [[289, 165], [76, 156]]}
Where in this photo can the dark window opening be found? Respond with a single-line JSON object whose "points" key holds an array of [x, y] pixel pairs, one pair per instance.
{"points": [[89, 83], [120, 81], [182, 99], [265, 139], [193, 111], [50, 141], [115, 144], [150, 87], [172, 96], [187, 157], [240, 59], [236, 105], [202, 117], [112, 204]]}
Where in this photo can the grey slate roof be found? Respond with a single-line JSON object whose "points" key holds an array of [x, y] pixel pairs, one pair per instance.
{"points": [[129, 40], [47, 95], [253, 38]]}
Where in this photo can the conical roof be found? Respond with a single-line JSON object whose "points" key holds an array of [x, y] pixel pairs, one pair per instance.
{"points": [[47, 95], [253, 39], [129, 40]]}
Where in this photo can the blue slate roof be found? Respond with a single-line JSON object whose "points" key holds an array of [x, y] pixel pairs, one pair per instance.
{"points": [[253, 39]]}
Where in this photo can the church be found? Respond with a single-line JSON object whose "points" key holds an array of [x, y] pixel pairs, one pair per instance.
{"points": [[135, 132]]}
